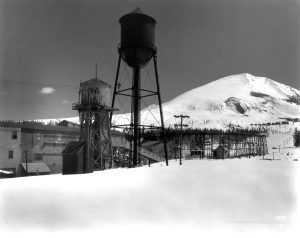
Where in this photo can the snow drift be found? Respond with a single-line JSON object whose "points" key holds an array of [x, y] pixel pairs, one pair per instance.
{"points": [[240, 195]]}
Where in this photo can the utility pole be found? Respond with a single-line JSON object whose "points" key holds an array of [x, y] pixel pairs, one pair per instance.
{"points": [[26, 162], [181, 125], [263, 150]]}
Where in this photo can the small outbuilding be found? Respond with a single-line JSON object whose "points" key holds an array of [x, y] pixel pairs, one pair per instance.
{"points": [[221, 152], [74, 158], [36, 168]]}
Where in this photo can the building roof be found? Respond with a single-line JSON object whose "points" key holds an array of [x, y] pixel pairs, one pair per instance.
{"points": [[28, 125], [63, 122], [37, 126], [95, 82], [37, 167], [73, 147]]}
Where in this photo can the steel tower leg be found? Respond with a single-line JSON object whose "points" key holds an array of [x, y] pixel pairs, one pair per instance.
{"points": [[137, 111], [115, 88], [160, 109]]}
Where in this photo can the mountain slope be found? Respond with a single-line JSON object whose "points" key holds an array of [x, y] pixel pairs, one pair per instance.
{"points": [[239, 99]]}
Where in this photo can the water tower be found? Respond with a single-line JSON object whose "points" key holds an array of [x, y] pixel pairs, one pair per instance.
{"points": [[94, 115], [137, 49]]}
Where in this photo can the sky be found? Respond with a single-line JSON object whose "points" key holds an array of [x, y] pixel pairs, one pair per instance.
{"points": [[47, 47]]}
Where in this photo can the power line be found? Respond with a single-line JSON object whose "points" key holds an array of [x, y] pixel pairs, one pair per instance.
{"points": [[29, 84], [34, 103]]}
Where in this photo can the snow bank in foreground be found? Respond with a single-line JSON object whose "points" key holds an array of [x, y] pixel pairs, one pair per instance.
{"points": [[238, 195]]}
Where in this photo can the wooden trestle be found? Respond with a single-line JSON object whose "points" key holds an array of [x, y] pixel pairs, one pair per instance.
{"points": [[203, 143]]}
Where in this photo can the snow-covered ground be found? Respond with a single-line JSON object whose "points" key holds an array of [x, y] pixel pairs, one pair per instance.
{"points": [[236, 196]]}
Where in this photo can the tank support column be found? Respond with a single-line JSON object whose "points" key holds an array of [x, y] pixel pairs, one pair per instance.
{"points": [[160, 109], [137, 111], [115, 87]]}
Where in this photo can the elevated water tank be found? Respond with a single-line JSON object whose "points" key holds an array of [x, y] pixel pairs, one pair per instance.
{"points": [[137, 38], [95, 92]]}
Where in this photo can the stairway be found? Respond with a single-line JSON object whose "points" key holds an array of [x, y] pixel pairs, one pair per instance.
{"points": [[143, 152]]}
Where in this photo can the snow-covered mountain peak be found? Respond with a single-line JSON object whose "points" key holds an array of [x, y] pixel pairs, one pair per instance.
{"points": [[241, 99], [238, 96], [243, 86]]}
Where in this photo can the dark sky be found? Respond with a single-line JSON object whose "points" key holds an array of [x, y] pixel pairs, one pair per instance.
{"points": [[55, 43]]}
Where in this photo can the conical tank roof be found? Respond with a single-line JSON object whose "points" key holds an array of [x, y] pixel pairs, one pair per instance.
{"points": [[138, 15]]}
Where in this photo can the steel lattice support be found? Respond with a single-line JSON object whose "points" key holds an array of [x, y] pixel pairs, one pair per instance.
{"points": [[135, 93], [95, 131]]}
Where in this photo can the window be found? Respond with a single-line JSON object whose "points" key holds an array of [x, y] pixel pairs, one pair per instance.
{"points": [[10, 154], [38, 156], [14, 135], [38, 137]]}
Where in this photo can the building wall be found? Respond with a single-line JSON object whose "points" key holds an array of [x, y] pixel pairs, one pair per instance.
{"points": [[38, 145], [46, 146], [54, 163], [7, 143], [95, 94]]}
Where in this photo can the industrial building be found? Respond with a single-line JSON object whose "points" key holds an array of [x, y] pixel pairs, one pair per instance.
{"points": [[40, 145], [37, 144]]}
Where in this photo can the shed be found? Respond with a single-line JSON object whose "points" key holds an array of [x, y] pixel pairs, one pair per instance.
{"points": [[221, 152], [74, 158], [36, 168]]}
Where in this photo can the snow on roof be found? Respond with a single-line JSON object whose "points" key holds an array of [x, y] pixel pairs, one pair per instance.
{"points": [[38, 126], [6, 172], [61, 123], [95, 82], [39, 167]]}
